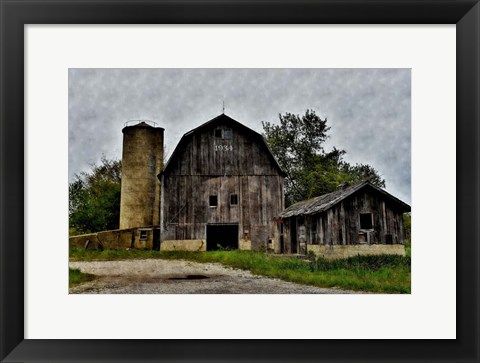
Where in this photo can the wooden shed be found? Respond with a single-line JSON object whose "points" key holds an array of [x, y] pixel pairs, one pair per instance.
{"points": [[357, 219], [221, 188]]}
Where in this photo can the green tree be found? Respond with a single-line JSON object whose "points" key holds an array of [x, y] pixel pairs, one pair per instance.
{"points": [[297, 143], [407, 225], [94, 198]]}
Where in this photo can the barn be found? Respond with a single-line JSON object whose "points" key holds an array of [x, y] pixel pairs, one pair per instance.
{"points": [[354, 219], [221, 188]]}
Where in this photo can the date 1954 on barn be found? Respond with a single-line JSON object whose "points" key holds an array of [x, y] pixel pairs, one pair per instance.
{"points": [[223, 148]]}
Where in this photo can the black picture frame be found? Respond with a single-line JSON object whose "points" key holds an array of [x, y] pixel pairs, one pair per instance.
{"points": [[15, 14]]}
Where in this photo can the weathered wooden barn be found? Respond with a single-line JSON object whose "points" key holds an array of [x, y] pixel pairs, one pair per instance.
{"points": [[221, 188], [358, 219]]}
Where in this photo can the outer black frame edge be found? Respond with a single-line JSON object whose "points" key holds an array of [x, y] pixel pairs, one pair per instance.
{"points": [[14, 14]]}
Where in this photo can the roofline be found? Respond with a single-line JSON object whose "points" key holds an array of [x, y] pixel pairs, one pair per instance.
{"points": [[355, 188], [192, 131], [405, 205]]}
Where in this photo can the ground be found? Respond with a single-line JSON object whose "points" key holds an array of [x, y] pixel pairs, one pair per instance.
{"points": [[155, 276]]}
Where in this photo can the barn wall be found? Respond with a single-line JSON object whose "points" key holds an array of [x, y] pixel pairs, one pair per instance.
{"points": [[205, 154], [345, 251], [212, 166], [184, 245], [118, 239]]}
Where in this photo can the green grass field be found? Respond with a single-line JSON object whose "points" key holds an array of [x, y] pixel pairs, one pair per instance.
{"points": [[76, 277], [380, 274]]}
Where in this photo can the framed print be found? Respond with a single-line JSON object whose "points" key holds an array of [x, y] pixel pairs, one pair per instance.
{"points": [[35, 326]]}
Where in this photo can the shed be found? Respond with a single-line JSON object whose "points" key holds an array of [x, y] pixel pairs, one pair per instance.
{"points": [[354, 219]]}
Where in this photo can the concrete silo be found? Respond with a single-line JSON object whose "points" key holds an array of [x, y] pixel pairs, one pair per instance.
{"points": [[142, 161]]}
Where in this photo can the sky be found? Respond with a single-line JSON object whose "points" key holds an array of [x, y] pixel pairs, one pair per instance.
{"points": [[368, 110]]}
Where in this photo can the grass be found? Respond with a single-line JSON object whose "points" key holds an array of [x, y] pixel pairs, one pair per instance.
{"points": [[408, 248], [381, 274], [76, 277]]}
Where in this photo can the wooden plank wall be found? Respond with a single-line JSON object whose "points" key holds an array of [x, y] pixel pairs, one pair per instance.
{"points": [[341, 223], [200, 170]]}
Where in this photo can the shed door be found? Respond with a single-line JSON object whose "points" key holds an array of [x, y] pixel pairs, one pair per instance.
{"points": [[222, 236]]}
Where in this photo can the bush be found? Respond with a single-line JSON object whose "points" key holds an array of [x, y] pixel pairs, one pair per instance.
{"points": [[369, 262]]}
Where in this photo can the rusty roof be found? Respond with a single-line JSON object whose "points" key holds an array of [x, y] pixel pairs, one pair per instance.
{"points": [[326, 201]]}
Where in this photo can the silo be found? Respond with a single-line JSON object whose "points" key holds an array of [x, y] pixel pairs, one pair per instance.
{"points": [[142, 161]]}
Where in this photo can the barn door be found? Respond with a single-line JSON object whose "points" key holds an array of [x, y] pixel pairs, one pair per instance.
{"points": [[156, 239], [222, 236]]}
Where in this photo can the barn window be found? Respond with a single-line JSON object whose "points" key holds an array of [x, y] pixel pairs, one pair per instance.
{"points": [[366, 221], [227, 134], [213, 201], [218, 133], [233, 199], [143, 235]]}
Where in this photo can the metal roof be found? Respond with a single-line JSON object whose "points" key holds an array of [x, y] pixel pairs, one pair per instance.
{"points": [[326, 201]]}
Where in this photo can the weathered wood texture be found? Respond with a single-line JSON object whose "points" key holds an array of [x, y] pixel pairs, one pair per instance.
{"points": [[340, 224], [206, 164]]}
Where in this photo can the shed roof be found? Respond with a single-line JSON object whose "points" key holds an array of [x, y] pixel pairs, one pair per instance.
{"points": [[327, 201], [221, 118]]}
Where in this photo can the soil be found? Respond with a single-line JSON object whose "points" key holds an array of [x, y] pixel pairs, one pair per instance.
{"points": [[154, 276]]}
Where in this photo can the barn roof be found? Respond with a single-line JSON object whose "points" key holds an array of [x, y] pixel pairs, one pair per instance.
{"points": [[327, 201], [220, 118]]}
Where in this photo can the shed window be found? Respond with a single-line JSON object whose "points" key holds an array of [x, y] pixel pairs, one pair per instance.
{"points": [[366, 221], [233, 199], [143, 235], [213, 201], [218, 133]]}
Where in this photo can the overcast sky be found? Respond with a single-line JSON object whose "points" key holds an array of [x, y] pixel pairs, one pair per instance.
{"points": [[368, 110]]}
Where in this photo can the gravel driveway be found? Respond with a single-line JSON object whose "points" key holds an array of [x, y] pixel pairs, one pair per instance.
{"points": [[154, 276]]}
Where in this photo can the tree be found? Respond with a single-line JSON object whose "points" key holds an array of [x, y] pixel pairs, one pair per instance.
{"points": [[297, 143], [94, 198], [407, 226]]}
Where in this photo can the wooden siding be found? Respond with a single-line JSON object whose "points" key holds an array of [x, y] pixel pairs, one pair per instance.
{"points": [[207, 165], [245, 154], [340, 225]]}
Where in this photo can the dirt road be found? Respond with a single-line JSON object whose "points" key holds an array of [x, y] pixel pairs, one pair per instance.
{"points": [[154, 276]]}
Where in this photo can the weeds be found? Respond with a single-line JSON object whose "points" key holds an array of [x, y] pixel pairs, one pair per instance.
{"points": [[408, 248], [367, 263]]}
